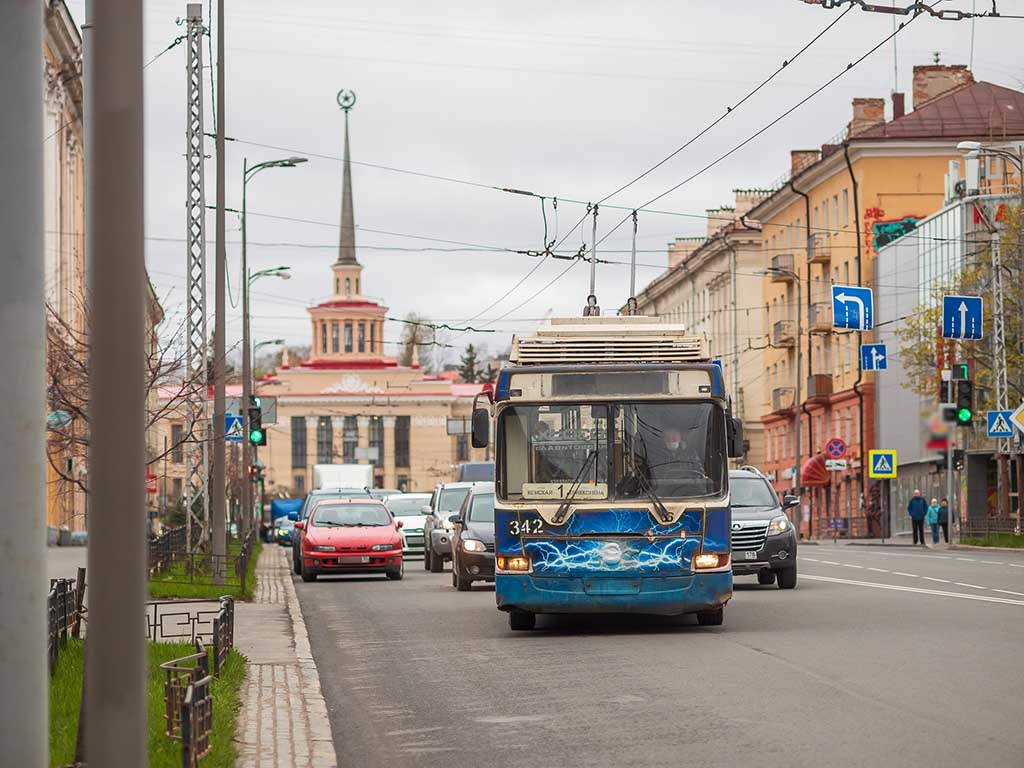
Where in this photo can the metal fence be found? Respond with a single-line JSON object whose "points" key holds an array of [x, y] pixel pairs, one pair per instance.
{"points": [[166, 548], [980, 527], [170, 562], [64, 612], [188, 705]]}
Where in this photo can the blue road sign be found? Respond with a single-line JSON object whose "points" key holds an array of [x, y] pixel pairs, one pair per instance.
{"points": [[232, 428], [961, 317], [852, 307], [1000, 424], [873, 357], [835, 448], [882, 463]]}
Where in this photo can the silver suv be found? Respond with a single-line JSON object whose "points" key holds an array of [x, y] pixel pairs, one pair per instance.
{"points": [[437, 528], [763, 538]]}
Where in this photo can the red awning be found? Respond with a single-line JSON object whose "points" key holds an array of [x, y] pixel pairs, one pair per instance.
{"points": [[813, 471]]}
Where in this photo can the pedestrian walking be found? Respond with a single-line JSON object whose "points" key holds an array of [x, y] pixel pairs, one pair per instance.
{"points": [[917, 508], [931, 516], [944, 519]]}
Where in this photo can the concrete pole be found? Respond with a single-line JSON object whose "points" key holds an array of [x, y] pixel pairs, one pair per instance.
{"points": [[217, 491], [115, 729], [23, 696], [245, 504]]}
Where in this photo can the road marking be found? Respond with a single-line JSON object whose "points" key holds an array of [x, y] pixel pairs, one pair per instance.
{"points": [[848, 565], [901, 573], [809, 559], [972, 586], [830, 562], [1008, 592], [1015, 565], [932, 578], [879, 570], [918, 590], [967, 559], [990, 562]]}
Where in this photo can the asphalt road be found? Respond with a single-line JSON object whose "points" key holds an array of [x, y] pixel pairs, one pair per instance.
{"points": [[893, 657], [63, 562]]}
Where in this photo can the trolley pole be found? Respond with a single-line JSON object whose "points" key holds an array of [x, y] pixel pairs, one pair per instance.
{"points": [[23, 697]]}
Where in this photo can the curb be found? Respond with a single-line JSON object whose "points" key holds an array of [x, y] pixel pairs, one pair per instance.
{"points": [[878, 544], [973, 548]]}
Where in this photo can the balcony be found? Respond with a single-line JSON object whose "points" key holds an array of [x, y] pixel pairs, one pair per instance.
{"points": [[781, 268], [819, 317], [783, 335], [782, 399], [820, 248], [819, 386]]}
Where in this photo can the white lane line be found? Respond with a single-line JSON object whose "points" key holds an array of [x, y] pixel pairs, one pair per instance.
{"points": [[1008, 592], [932, 578], [848, 565], [990, 562], [878, 570], [1016, 565], [918, 590], [967, 559], [809, 559], [972, 586], [830, 562], [901, 573]]}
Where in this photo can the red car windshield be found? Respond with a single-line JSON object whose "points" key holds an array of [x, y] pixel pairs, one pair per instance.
{"points": [[329, 515]]}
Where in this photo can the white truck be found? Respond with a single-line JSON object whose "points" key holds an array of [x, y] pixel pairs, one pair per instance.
{"points": [[342, 476]]}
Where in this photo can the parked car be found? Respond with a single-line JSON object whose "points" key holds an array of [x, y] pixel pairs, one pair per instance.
{"points": [[382, 493], [437, 528], [346, 536], [475, 472], [283, 531], [312, 499], [408, 507], [473, 538], [763, 538]]}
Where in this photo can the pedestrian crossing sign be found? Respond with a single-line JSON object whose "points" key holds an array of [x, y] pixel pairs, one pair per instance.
{"points": [[882, 464], [999, 424]]}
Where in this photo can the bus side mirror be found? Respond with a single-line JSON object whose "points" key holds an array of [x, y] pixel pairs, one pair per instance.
{"points": [[481, 427], [735, 430]]}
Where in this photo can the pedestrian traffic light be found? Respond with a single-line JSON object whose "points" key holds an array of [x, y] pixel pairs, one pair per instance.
{"points": [[958, 459], [943, 391], [964, 403], [257, 435]]}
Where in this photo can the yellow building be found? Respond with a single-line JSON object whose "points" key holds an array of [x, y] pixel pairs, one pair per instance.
{"points": [[352, 403], [822, 227]]}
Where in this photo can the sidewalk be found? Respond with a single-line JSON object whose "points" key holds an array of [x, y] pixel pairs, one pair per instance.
{"points": [[283, 721]]}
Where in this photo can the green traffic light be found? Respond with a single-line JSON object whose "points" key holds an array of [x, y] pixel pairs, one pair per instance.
{"points": [[256, 436], [964, 415]]}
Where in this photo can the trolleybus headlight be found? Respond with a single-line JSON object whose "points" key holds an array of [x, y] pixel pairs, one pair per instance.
{"points": [[473, 545], [513, 563], [710, 560], [778, 524]]}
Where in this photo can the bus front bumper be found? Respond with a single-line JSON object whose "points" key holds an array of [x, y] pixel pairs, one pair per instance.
{"points": [[665, 595]]}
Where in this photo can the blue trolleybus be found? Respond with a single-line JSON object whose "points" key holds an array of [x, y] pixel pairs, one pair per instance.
{"points": [[612, 438]]}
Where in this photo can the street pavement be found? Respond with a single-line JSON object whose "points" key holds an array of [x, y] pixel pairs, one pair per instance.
{"points": [[64, 562], [881, 656]]}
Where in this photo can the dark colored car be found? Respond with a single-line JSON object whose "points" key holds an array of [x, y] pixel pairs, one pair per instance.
{"points": [[473, 538], [763, 538], [348, 536], [475, 472], [312, 499], [284, 531], [437, 528]]}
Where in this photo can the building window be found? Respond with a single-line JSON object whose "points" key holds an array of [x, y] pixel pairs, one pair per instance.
{"points": [[334, 336], [300, 484], [348, 287], [177, 443], [176, 489], [403, 483], [377, 440], [337, 286], [348, 337], [298, 442], [362, 337], [373, 339], [357, 286], [835, 210], [323, 337], [846, 208], [462, 447], [402, 424], [324, 440], [349, 439]]}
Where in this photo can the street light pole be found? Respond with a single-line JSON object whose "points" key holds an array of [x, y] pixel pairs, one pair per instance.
{"points": [[796, 398]]}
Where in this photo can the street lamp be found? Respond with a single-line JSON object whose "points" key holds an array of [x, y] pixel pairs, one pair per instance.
{"points": [[247, 173], [771, 271]]}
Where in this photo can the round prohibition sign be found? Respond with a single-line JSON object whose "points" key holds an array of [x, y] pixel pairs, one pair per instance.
{"points": [[835, 448]]}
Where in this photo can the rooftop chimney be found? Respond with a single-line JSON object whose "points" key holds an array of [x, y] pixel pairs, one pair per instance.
{"points": [[747, 199], [867, 113], [899, 107], [802, 158], [681, 249], [934, 80], [718, 218]]}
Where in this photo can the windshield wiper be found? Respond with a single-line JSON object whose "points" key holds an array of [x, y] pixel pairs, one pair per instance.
{"points": [[563, 508], [645, 486]]}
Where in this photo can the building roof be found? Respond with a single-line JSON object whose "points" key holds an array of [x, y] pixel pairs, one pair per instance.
{"points": [[978, 111]]}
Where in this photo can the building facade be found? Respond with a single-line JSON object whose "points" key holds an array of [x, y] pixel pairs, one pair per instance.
{"points": [[822, 227], [712, 286]]}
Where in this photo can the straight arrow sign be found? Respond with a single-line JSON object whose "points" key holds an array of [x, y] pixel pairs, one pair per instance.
{"points": [[962, 317]]}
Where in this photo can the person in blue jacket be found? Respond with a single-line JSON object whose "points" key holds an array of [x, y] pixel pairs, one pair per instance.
{"points": [[932, 518], [917, 508]]}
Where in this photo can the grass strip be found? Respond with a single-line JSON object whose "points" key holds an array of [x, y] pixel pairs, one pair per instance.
{"points": [[176, 583], [995, 540]]}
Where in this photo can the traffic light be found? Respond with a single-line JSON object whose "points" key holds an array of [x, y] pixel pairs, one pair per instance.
{"points": [[958, 459], [943, 391], [964, 403], [257, 435]]}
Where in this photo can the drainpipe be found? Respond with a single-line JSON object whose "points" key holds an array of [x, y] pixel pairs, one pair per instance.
{"points": [[860, 373], [810, 359]]}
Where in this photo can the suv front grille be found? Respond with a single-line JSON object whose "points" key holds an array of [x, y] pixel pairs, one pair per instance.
{"points": [[750, 537]]}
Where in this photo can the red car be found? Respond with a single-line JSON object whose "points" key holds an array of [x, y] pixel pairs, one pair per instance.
{"points": [[351, 536]]}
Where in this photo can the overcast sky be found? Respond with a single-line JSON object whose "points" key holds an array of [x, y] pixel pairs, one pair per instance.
{"points": [[569, 100]]}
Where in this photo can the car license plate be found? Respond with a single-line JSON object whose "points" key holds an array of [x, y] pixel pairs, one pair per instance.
{"points": [[414, 541], [750, 555], [354, 560]]}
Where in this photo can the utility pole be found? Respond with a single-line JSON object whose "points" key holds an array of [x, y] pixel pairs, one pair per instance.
{"points": [[23, 697], [115, 728], [999, 348], [219, 344]]}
